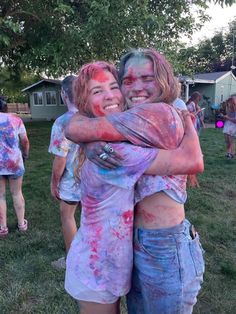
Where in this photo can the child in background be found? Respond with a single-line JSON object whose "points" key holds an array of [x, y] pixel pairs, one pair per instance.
{"points": [[230, 127]]}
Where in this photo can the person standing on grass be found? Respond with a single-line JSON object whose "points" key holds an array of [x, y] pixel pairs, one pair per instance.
{"points": [[194, 108], [12, 136], [64, 186], [168, 258], [230, 127]]}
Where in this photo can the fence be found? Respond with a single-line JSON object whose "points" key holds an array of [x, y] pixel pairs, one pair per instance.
{"points": [[18, 108]]}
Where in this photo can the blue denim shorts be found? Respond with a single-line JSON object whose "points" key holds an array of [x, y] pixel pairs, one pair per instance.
{"points": [[168, 271]]}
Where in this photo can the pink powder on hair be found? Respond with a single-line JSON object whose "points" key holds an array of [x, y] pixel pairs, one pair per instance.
{"points": [[100, 76]]}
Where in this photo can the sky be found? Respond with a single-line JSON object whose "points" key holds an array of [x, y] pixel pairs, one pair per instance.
{"points": [[220, 19]]}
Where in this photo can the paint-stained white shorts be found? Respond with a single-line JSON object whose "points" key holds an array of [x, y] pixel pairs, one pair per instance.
{"points": [[83, 293]]}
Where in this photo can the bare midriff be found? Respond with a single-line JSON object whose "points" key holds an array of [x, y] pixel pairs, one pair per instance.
{"points": [[158, 211]]}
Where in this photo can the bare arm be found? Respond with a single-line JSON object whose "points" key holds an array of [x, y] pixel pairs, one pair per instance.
{"points": [[25, 145], [81, 129], [230, 119], [58, 168], [146, 125], [186, 159]]}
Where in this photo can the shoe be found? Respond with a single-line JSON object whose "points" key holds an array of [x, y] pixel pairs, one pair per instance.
{"points": [[24, 227], [59, 263], [3, 232], [229, 156]]}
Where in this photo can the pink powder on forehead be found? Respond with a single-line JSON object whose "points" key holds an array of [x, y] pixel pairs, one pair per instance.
{"points": [[100, 76]]}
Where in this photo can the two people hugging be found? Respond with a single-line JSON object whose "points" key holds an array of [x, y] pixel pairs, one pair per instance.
{"points": [[133, 239]]}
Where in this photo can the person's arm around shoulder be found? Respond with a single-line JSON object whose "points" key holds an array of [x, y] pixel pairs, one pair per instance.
{"points": [[186, 159], [81, 129]]}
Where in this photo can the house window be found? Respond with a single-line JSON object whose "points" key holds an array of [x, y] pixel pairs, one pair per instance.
{"points": [[51, 99], [38, 98]]}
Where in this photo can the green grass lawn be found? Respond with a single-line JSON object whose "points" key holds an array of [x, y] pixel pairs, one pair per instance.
{"points": [[28, 283]]}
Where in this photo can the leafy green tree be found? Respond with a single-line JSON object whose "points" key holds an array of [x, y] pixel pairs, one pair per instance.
{"points": [[211, 55], [11, 86], [58, 36]]}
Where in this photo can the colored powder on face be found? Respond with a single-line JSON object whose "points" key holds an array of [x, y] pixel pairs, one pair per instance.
{"points": [[98, 110], [100, 76]]}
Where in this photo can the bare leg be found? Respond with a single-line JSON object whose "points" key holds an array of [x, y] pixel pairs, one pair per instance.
{"points": [[227, 141], [231, 143], [3, 204], [18, 199], [68, 223], [98, 308]]}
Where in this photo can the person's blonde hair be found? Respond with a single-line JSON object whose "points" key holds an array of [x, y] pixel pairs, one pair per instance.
{"points": [[80, 84], [163, 72]]}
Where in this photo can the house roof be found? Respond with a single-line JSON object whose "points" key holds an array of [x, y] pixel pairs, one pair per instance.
{"points": [[56, 82], [210, 76], [213, 77]]}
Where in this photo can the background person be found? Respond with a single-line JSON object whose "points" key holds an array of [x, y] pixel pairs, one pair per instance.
{"points": [[64, 186], [12, 136], [229, 129], [194, 108], [178, 103]]}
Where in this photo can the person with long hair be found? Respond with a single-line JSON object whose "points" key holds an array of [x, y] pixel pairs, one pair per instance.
{"points": [[230, 127], [194, 107]]}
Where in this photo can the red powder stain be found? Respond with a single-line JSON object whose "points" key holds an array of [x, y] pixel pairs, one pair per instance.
{"points": [[100, 76], [107, 136], [131, 72], [94, 257], [130, 77], [98, 232], [11, 165], [94, 246], [148, 217], [96, 273], [117, 234], [128, 216], [56, 143], [98, 110]]}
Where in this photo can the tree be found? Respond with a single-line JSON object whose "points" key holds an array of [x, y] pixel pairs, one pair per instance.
{"points": [[11, 87], [56, 37], [211, 55]]}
